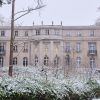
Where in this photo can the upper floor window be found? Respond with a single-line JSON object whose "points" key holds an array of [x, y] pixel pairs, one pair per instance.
{"points": [[47, 32], [25, 61], [26, 33], [78, 61], [15, 61], [91, 33], [68, 34], [2, 33], [25, 47], [78, 47], [79, 34], [2, 46], [38, 32], [67, 47], [16, 33], [46, 48], [15, 49], [92, 46]]}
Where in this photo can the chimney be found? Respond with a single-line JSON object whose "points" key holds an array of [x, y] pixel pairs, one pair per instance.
{"points": [[52, 22], [33, 23], [41, 22], [61, 23]]}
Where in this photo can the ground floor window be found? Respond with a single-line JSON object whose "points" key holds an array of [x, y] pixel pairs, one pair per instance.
{"points": [[25, 61], [67, 58], [78, 61], [56, 61], [15, 61], [1, 61], [92, 62], [46, 60], [36, 60]]}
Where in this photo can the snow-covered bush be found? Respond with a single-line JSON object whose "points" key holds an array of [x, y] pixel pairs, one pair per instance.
{"points": [[38, 83]]}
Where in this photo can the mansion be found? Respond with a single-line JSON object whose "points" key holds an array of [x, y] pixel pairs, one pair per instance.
{"points": [[51, 46]]}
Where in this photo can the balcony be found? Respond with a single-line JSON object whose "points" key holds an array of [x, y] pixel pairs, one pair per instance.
{"points": [[92, 52], [2, 53]]}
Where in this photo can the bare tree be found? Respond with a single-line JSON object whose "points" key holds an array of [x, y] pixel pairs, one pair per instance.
{"points": [[13, 19]]}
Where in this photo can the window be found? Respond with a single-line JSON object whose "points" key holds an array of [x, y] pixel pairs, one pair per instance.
{"points": [[92, 47], [91, 33], [1, 48], [15, 49], [78, 34], [1, 61], [46, 60], [68, 34], [47, 32], [25, 61], [16, 33], [15, 61], [67, 58], [26, 33], [38, 32], [56, 61], [92, 62], [46, 48], [36, 60], [2, 33], [78, 61], [67, 48], [78, 49], [25, 47], [56, 32]]}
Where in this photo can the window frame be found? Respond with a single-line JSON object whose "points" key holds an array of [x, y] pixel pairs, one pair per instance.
{"points": [[25, 61], [2, 33], [1, 61], [46, 60]]}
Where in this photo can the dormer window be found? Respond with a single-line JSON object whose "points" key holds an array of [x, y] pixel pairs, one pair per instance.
{"points": [[2, 33], [91, 33], [47, 32], [26, 33], [16, 33], [38, 32], [78, 34], [68, 34]]}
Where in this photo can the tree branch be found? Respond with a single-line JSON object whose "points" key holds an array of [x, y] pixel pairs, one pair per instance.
{"points": [[28, 11]]}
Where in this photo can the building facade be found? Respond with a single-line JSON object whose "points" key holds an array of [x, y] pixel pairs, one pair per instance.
{"points": [[52, 46]]}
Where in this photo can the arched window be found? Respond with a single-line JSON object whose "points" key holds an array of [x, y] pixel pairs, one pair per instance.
{"points": [[25, 61], [92, 62], [78, 61], [67, 60], [1, 61], [46, 60], [36, 60], [15, 61], [56, 61]]}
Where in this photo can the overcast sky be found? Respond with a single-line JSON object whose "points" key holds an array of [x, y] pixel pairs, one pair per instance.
{"points": [[70, 12]]}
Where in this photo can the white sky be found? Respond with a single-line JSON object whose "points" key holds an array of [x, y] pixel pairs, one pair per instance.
{"points": [[70, 12]]}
